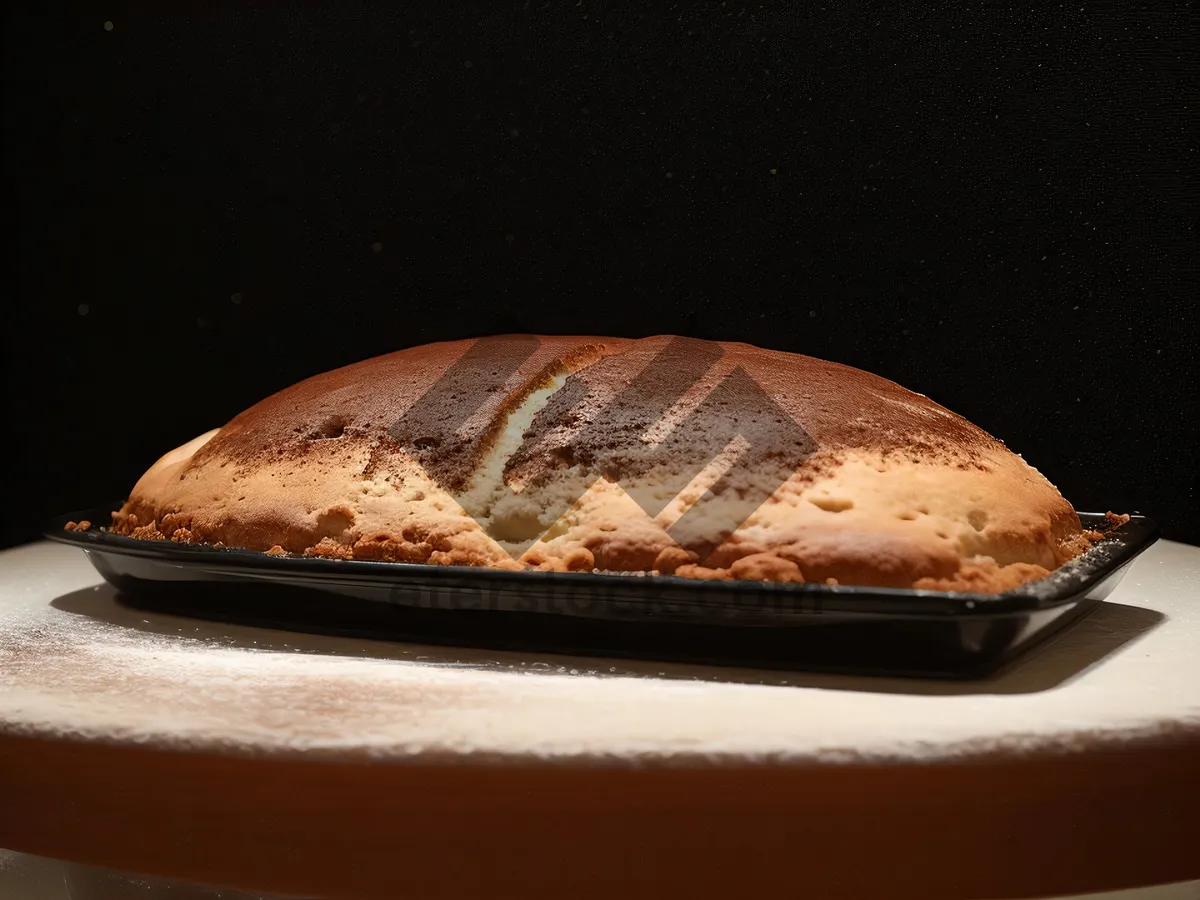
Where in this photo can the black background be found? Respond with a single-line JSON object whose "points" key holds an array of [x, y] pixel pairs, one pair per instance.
{"points": [[990, 205]]}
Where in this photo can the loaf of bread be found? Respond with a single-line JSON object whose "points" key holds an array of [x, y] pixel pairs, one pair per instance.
{"points": [[662, 455]]}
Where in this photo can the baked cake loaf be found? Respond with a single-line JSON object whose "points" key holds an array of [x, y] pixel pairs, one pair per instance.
{"points": [[665, 455]]}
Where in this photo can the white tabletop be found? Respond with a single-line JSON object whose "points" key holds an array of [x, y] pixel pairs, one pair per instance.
{"points": [[74, 661]]}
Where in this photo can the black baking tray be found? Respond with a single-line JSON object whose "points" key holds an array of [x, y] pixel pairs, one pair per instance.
{"points": [[861, 630]]}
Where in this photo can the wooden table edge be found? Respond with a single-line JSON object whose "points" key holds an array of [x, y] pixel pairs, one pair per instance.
{"points": [[1034, 826]]}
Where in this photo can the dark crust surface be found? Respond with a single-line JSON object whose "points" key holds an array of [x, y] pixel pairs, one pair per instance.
{"points": [[387, 399]]}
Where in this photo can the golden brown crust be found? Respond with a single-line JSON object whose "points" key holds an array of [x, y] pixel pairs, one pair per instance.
{"points": [[856, 480]]}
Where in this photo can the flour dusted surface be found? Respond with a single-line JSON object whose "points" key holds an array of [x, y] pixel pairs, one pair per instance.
{"points": [[75, 661]]}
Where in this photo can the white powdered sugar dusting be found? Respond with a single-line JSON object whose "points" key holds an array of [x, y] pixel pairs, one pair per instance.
{"points": [[76, 660]]}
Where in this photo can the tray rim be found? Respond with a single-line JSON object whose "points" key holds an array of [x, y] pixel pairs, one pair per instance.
{"points": [[1132, 539]]}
